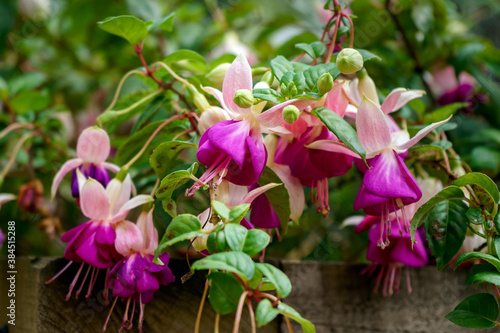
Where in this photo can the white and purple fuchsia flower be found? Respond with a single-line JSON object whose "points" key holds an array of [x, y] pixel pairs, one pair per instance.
{"points": [[388, 185], [93, 242], [92, 149], [136, 278], [234, 149]]}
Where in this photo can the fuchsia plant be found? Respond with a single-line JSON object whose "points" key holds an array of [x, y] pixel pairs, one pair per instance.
{"points": [[259, 149]]}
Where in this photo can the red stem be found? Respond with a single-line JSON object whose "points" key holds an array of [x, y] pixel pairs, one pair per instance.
{"points": [[239, 311]]}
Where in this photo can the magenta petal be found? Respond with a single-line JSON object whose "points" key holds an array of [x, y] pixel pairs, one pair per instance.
{"points": [[263, 214], [245, 223], [147, 282], [255, 162], [105, 234], [389, 177], [230, 137]]}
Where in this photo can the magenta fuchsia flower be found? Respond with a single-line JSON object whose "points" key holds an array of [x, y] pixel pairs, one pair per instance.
{"points": [[2, 238], [92, 150], [388, 185], [311, 166], [136, 278], [395, 256], [234, 149], [93, 242]]}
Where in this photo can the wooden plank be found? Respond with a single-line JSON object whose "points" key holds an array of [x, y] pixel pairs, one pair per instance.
{"points": [[341, 300], [43, 309]]}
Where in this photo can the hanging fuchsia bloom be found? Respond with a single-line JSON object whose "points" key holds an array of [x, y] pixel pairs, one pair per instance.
{"points": [[314, 167], [92, 150], [93, 242], [234, 149], [395, 256], [388, 185], [136, 278]]}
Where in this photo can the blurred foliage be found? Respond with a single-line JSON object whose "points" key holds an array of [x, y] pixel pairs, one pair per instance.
{"points": [[59, 71]]}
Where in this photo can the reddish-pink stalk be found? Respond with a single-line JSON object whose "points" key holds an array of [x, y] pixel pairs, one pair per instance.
{"points": [[351, 37], [252, 315], [239, 311]]}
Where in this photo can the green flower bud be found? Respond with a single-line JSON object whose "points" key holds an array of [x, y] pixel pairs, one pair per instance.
{"points": [[243, 98], [284, 89], [216, 75], [325, 83], [292, 89], [268, 78], [291, 113], [349, 61]]}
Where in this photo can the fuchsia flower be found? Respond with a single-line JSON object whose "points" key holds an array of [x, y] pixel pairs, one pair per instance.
{"points": [[93, 242], [92, 150], [388, 185], [395, 256], [136, 278], [2, 238], [234, 149], [262, 213], [313, 167]]}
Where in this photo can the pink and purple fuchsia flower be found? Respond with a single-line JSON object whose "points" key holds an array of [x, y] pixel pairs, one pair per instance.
{"points": [[93, 242], [92, 150], [136, 278], [388, 185], [234, 149]]}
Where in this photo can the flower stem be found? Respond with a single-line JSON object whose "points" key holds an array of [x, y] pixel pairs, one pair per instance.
{"points": [[139, 102], [120, 85], [216, 324], [200, 309], [288, 324], [15, 126], [239, 311], [252, 315], [138, 155], [174, 74], [13, 155]]}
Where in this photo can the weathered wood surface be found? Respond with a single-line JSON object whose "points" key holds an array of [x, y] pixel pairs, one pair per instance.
{"points": [[333, 296]]}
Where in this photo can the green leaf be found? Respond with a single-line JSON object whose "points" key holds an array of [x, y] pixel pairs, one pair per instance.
{"points": [[166, 23], [476, 311], [256, 241], [25, 82], [170, 207], [235, 262], [225, 292], [183, 227], [312, 74], [481, 180], [172, 181], [30, 101], [162, 159], [445, 229], [235, 236], [268, 94], [183, 55], [129, 27], [496, 244], [221, 243], [341, 128], [449, 193], [265, 312], [483, 272], [221, 209], [277, 278], [135, 143], [280, 65], [237, 213], [314, 50], [444, 112], [278, 196], [478, 255], [367, 55], [287, 310], [475, 216]]}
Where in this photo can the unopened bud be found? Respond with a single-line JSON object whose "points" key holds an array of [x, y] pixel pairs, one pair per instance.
{"points": [[291, 113], [243, 98], [216, 75], [284, 89], [292, 89], [349, 61], [30, 198], [200, 242], [268, 78], [325, 83]]}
